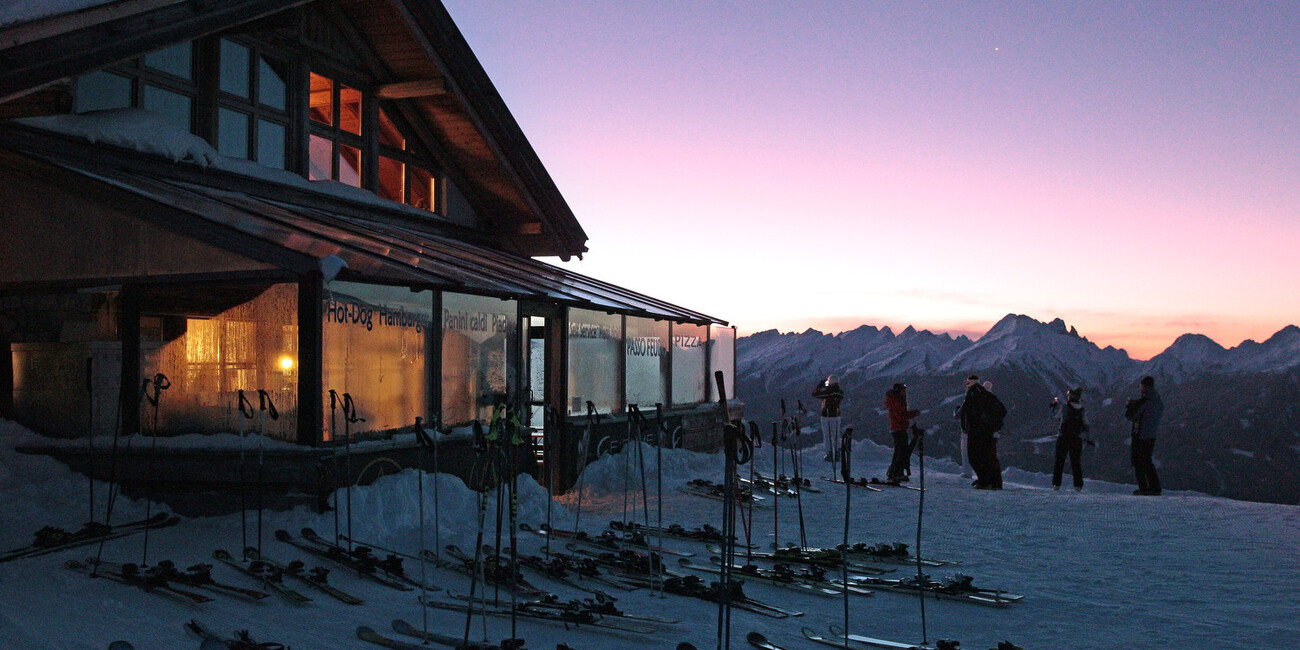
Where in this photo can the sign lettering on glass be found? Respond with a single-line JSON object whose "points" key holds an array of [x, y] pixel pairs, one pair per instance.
{"points": [[683, 342], [644, 346], [590, 331], [367, 316]]}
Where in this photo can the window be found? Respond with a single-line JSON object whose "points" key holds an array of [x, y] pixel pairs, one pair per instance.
{"points": [[722, 356], [403, 176], [478, 363], [688, 363], [646, 362], [595, 354], [102, 90], [251, 119], [335, 146]]}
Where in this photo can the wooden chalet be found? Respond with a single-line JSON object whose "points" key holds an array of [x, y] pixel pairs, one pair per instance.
{"points": [[300, 202]]}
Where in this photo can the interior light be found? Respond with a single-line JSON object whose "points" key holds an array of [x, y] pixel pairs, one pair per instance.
{"points": [[286, 363]]}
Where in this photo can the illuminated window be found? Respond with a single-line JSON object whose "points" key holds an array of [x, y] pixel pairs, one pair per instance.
{"points": [[335, 143]]}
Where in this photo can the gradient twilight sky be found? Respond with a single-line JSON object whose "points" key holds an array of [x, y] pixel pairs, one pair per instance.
{"points": [[1132, 168]]}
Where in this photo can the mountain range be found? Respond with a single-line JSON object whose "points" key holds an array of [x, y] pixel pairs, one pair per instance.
{"points": [[1232, 421]]}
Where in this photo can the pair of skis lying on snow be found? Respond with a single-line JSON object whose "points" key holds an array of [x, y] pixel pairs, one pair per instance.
{"points": [[51, 540], [163, 579]]}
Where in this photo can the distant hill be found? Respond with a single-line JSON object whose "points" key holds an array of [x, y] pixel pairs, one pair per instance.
{"points": [[1232, 421]]}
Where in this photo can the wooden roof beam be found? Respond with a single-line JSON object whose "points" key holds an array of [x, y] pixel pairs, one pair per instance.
{"points": [[410, 89]]}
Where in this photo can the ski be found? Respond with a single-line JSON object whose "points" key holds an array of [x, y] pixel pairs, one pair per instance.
{"points": [[576, 618], [496, 570], [787, 579], [121, 645], [895, 553], [316, 577], [708, 489], [802, 483], [872, 642], [957, 588], [402, 627], [367, 634], [241, 640], [759, 641], [270, 577], [608, 540], [884, 484], [130, 574], [51, 540], [694, 587], [705, 533], [852, 642], [820, 557], [626, 563], [602, 606], [366, 565], [200, 575], [562, 569], [861, 483], [758, 483]]}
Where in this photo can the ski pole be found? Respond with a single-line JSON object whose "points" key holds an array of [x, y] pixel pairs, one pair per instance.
{"points": [[593, 418], [334, 436], [776, 503], [422, 439], [920, 509], [160, 384], [798, 434], [846, 473], [349, 417], [112, 476], [265, 407], [90, 431], [437, 519], [659, 487], [245, 413]]}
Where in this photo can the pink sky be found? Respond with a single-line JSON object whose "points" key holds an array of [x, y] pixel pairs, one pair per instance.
{"points": [[1134, 170]]}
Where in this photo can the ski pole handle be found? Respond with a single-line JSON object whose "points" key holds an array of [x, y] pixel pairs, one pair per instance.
{"points": [[245, 406], [265, 404]]}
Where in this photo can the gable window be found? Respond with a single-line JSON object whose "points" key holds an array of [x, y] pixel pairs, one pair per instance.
{"points": [[334, 150], [252, 95], [403, 176], [161, 82]]}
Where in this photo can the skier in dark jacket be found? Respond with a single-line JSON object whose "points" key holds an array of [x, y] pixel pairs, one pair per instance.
{"points": [[1069, 439], [899, 419], [830, 393], [1145, 413], [980, 414]]}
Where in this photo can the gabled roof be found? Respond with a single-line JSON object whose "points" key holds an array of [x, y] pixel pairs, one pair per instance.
{"points": [[412, 48]]}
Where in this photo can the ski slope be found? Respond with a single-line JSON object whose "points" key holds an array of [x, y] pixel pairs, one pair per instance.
{"points": [[1100, 569]]}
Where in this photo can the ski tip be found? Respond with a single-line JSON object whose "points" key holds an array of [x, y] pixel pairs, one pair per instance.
{"points": [[686, 645], [120, 645], [363, 630], [283, 535], [756, 638]]}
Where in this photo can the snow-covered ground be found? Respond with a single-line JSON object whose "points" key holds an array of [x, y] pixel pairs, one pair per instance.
{"points": [[1100, 569]]}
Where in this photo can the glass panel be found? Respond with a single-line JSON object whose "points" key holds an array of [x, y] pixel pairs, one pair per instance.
{"points": [[236, 64], [392, 177], [688, 364], [232, 133], [250, 343], [388, 133], [270, 144], [59, 333], [350, 109], [595, 352], [176, 60], [422, 188], [322, 99], [478, 366], [374, 343], [173, 107], [101, 90], [349, 165], [320, 165], [646, 362], [271, 88], [722, 356]]}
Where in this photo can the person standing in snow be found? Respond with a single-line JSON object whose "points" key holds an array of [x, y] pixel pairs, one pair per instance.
{"points": [[899, 419], [980, 415], [1145, 413], [830, 393], [1069, 439]]}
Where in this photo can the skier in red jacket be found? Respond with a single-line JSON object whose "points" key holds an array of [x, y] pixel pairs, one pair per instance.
{"points": [[899, 419]]}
